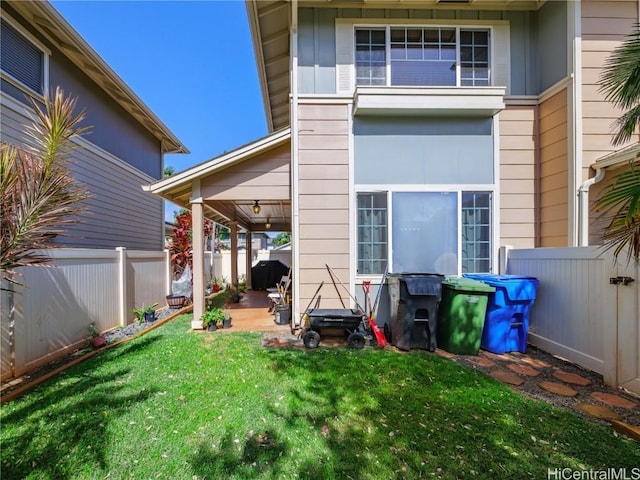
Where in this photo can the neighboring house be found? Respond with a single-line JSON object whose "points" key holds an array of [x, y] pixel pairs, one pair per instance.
{"points": [[418, 135], [259, 241], [126, 142]]}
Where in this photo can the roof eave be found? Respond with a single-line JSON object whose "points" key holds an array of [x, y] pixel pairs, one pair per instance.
{"points": [[43, 16], [254, 26], [619, 157], [166, 186]]}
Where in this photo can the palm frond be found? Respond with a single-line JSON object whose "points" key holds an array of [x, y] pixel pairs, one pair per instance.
{"points": [[38, 195], [620, 202], [620, 84]]}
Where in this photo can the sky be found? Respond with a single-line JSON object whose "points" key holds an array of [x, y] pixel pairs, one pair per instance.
{"points": [[191, 63]]}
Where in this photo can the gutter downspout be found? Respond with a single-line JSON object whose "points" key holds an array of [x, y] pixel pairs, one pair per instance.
{"points": [[575, 121], [583, 207], [295, 203]]}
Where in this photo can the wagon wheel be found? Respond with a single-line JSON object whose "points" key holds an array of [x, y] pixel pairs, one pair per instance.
{"points": [[355, 340], [311, 339]]}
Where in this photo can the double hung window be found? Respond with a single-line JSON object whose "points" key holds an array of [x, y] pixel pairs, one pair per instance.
{"points": [[422, 56]]}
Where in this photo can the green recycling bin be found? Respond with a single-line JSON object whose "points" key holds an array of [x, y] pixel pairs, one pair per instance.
{"points": [[461, 314]]}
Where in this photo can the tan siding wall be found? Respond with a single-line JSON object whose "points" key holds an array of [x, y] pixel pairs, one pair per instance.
{"points": [[323, 151], [266, 177], [605, 23], [553, 171], [517, 176]]}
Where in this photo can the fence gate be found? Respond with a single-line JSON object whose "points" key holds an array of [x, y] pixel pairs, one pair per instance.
{"points": [[627, 284]]}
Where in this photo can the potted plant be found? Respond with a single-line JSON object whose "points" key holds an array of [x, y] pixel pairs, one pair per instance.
{"points": [[175, 301], [218, 284], [97, 339], [235, 296], [146, 314], [211, 318], [226, 321]]}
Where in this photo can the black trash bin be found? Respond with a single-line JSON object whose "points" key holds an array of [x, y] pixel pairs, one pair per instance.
{"points": [[414, 299]]}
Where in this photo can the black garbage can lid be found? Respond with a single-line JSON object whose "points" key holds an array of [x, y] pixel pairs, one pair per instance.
{"points": [[423, 284]]}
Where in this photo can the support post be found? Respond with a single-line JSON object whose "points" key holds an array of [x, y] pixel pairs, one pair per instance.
{"points": [[249, 259], [234, 253], [197, 217]]}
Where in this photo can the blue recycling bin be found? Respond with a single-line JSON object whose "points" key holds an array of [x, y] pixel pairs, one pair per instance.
{"points": [[506, 323]]}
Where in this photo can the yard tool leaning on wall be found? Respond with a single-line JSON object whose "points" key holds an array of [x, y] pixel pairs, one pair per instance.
{"points": [[304, 320], [372, 326]]}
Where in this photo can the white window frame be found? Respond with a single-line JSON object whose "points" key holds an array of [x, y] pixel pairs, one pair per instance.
{"points": [[46, 54], [499, 49], [457, 27], [458, 189]]}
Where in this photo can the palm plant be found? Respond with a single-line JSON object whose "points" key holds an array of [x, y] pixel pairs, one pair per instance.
{"points": [[38, 195], [620, 82]]}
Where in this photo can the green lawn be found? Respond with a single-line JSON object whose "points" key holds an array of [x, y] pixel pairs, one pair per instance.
{"points": [[174, 404]]}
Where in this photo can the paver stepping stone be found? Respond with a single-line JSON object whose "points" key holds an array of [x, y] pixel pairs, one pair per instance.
{"points": [[493, 356], [523, 370], [614, 400], [445, 354], [597, 411], [629, 430], [558, 388], [535, 363], [481, 362], [572, 378], [507, 377]]}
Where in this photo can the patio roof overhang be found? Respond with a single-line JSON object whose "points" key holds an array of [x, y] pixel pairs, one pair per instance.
{"points": [[619, 157], [231, 183]]}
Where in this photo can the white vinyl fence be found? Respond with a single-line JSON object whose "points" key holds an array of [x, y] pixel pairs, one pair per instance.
{"points": [[54, 307], [585, 310]]}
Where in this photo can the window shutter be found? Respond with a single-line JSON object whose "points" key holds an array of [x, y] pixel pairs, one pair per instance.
{"points": [[344, 57], [20, 58], [501, 57]]}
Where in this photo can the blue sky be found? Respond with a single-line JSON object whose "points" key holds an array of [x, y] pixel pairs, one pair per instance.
{"points": [[191, 62]]}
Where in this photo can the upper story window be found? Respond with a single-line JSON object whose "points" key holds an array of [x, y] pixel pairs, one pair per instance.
{"points": [[422, 56], [23, 60]]}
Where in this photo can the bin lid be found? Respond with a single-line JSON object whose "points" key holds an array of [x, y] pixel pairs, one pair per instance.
{"points": [[466, 284], [517, 287], [423, 283]]}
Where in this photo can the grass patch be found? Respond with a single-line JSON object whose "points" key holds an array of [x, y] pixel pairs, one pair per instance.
{"points": [[181, 405]]}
